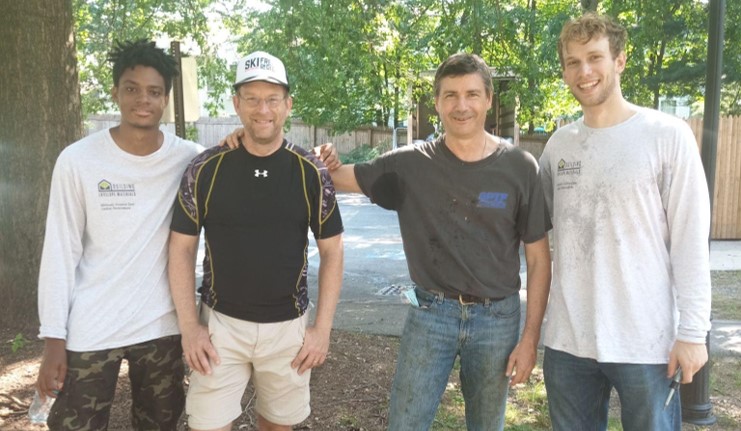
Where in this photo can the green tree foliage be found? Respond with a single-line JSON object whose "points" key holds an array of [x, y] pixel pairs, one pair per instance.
{"points": [[526, 45], [666, 48], [731, 89], [354, 62], [346, 59], [98, 23]]}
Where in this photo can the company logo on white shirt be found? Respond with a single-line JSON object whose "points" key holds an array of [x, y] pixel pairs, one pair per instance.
{"points": [[109, 189], [569, 168]]}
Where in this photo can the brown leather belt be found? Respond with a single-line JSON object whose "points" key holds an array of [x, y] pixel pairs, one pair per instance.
{"points": [[467, 299]]}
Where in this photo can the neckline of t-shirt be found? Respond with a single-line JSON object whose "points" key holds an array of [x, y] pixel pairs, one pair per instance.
{"points": [[448, 154], [639, 111], [167, 141], [283, 146]]}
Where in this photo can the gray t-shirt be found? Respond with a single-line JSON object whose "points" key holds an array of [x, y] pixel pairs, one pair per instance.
{"points": [[630, 265], [461, 222]]}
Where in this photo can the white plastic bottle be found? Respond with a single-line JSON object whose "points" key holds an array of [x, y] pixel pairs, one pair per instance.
{"points": [[38, 412]]}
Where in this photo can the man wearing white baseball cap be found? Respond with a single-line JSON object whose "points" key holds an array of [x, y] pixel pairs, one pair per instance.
{"points": [[256, 204], [261, 66]]}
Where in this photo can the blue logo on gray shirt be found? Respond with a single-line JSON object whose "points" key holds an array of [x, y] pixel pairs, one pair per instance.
{"points": [[493, 200]]}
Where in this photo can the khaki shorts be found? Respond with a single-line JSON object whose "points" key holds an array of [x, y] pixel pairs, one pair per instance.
{"points": [[261, 351]]}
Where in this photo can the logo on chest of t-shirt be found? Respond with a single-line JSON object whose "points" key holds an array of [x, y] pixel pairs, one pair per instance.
{"points": [[493, 200], [261, 173], [568, 168], [115, 196], [109, 189]]}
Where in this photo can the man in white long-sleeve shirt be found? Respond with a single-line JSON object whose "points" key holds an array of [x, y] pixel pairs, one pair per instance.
{"points": [[103, 287], [630, 298]]}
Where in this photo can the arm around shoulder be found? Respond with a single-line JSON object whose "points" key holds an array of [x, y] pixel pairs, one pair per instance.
{"points": [[344, 179]]}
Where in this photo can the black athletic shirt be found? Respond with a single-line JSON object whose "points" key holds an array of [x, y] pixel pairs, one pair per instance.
{"points": [[256, 212]]}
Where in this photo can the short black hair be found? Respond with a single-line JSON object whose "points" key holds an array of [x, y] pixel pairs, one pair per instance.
{"points": [[142, 52]]}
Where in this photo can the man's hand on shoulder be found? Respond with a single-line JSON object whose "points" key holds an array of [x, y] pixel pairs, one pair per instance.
{"points": [[233, 140], [327, 153]]}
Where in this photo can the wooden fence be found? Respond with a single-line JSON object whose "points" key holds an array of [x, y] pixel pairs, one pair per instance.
{"points": [[211, 130], [727, 193], [726, 200]]}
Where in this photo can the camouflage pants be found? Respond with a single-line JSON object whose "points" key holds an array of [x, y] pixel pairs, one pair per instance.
{"points": [[156, 374]]}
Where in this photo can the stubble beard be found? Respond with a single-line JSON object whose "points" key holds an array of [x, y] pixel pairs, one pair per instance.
{"points": [[599, 98], [272, 139]]}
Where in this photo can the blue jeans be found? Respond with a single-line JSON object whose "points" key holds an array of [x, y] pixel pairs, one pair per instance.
{"points": [[579, 393], [437, 332]]}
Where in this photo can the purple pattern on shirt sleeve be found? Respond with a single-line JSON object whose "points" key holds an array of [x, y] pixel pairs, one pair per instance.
{"points": [[188, 191], [328, 194]]}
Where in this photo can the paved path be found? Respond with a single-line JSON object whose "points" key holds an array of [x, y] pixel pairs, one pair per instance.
{"points": [[725, 255], [376, 271]]}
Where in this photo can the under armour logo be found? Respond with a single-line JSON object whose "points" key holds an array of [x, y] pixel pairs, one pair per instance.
{"points": [[261, 174]]}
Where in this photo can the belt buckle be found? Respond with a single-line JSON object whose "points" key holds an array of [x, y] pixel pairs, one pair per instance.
{"points": [[460, 299]]}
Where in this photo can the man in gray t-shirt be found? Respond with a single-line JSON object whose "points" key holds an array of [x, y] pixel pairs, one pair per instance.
{"points": [[630, 302], [465, 202]]}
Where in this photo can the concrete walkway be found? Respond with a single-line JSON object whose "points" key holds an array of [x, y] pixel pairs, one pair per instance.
{"points": [[725, 336], [725, 255]]}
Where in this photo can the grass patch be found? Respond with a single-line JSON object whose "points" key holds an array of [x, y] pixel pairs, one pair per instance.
{"points": [[527, 406], [451, 415], [726, 295], [349, 421]]}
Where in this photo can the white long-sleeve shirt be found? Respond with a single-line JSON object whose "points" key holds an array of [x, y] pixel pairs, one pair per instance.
{"points": [[103, 277], [631, 220]]}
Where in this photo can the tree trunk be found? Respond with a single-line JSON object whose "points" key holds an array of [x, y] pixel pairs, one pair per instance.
{"points": [[532, 84], [39, 115]]}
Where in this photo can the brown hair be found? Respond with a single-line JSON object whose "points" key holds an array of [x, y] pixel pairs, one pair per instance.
{"points": [[464, 64], [589, 26]]}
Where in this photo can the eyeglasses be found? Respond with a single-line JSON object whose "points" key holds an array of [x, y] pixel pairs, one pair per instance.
{"points": [[254, 102]]}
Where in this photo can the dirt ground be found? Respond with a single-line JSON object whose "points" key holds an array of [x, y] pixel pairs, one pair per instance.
{"points": [[350, 391]]}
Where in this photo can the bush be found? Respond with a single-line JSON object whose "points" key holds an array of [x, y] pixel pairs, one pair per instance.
{"points": [[361, 154]]}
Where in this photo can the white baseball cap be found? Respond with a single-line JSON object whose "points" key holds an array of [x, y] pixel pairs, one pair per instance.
{"points": [[260, 66]]}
